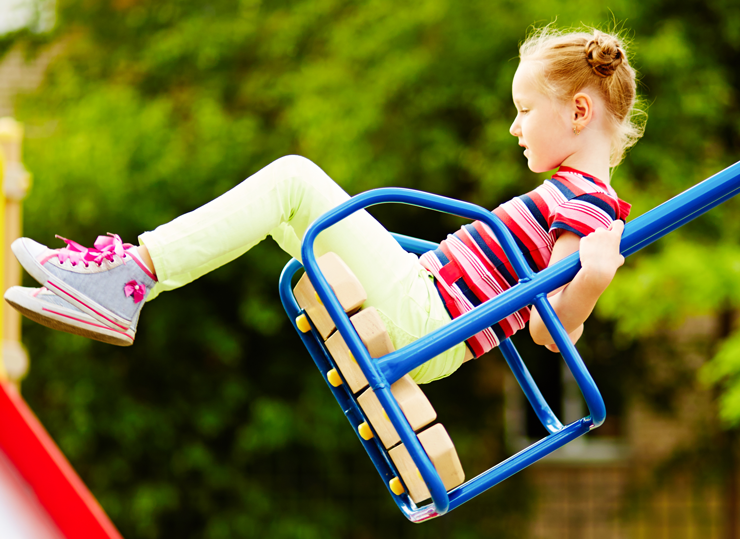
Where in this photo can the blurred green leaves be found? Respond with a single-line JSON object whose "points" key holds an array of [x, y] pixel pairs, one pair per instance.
{"points": [[215, 423]]}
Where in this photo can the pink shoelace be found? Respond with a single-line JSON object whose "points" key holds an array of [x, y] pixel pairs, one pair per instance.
{"points": [[106, 248]]}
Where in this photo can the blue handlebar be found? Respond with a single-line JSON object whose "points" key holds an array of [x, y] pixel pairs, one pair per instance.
{"points": [[393, 366], [531, 289]]}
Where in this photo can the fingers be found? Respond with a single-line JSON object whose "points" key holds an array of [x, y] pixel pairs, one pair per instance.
{"points": [[615, 230], [617, 226], [601, 247]]}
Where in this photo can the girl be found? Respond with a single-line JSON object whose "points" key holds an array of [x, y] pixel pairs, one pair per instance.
{"points": [[574, 94]]}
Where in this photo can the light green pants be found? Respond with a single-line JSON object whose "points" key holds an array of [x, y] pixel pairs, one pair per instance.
{"points": [[281, 201]]}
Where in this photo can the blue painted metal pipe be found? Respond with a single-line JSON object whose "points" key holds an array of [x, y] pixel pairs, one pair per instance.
{"points": [[532, 289], [572, 358], [544, 413], [518, 462], [639, 233]]}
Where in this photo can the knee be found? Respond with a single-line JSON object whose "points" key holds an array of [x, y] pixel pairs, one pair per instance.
{"points": [[295, 169], [295, 164]]}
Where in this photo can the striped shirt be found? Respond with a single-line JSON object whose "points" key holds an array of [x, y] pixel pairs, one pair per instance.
{"points": [[470, 267]]}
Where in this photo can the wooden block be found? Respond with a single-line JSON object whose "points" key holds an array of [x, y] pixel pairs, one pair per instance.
{"points": [[438, 445], [343, 282], [414, 404], [372, 331]]}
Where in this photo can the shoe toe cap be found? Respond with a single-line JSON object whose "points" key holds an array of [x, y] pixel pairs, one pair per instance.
{"points": [[28, 247], [14, 292]]}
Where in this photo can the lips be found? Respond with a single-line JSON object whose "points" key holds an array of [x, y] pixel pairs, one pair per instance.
{"points": [[525, 149]]}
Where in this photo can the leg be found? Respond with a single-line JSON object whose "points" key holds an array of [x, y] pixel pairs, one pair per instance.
{"points": [[281, 201]]}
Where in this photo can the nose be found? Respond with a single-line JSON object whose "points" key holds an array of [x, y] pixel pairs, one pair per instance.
{"points": [[515, 129]]}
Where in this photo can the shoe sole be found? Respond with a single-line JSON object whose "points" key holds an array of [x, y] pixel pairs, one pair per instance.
{"points": [[69, 294], [69, 322]]}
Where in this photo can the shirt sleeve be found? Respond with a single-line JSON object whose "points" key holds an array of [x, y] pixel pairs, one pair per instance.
{"points": [[584, 214]]}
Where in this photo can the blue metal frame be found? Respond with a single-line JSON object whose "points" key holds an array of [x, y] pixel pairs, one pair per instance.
{"points": [[531, 289]]}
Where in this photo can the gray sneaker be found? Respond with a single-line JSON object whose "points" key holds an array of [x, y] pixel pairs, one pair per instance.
{"points": [[108, 282], [48, 309]]}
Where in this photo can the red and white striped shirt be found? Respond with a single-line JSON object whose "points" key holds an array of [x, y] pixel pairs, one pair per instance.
{"points": [[470, 267]]}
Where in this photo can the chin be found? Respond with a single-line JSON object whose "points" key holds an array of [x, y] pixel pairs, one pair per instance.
{"points": [[539, 168]]}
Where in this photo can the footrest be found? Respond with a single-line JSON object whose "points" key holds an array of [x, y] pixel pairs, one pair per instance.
{"points": [[374, 336], [365, 405], [441, 451], [414, 405], [346, 287]]}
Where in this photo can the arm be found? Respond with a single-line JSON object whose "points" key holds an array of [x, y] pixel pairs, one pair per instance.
{"points": [[575, 301]]}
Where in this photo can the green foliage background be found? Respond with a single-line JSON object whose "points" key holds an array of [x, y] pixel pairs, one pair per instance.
{"points": [[215, 423]]}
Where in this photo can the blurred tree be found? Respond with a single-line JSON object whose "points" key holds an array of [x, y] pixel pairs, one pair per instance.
{"points": [[210, 426], [689, 55]]}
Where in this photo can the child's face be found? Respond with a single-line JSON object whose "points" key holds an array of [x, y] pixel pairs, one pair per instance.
{"points": [[542, 125]]}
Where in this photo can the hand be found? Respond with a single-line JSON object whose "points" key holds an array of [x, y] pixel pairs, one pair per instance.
{"points": [[600, 257]]}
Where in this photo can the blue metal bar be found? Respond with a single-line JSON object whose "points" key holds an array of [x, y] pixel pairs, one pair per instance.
{"points": [[638, 233], [572, 358], [404, 196], [531, 289], [681, 209], [438, 492], [378, 456], [381, 459], [518, 462], [519, 369], [400, 362], [534, 396], [514, 464], [378, 382], [424, 200]]}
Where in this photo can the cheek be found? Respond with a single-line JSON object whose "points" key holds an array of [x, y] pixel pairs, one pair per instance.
{"points": [[561, 122], [526, 125], [534, 128]]}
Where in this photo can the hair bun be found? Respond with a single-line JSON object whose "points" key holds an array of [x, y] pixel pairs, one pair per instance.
{"points": [[604, 54]]}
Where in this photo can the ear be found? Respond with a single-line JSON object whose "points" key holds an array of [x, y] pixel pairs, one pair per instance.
{"points": [[582, 110]]}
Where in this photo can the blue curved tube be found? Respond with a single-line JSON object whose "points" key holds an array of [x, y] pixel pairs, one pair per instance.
{"points": [[544, 413], [395, 365], [531, 289]]}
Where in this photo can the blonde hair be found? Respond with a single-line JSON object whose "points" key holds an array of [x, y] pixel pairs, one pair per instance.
{"points": [[574, 60]]}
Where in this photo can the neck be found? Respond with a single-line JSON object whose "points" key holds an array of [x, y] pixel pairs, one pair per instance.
{"points": [[591, 157]]}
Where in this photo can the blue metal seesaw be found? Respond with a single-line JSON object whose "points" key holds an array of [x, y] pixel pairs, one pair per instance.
{"points": [[532, 289]]}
